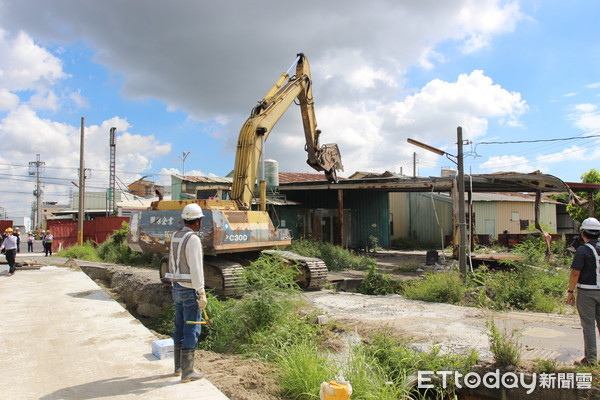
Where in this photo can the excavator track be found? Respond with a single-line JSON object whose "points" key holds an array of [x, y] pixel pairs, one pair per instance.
{"points": [[224, 277], [313, 271], [221, 276]]}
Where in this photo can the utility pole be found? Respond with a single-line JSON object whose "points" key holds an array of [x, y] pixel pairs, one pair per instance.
{"points": [[414, 165], [34, 169], [113, 162], [81, 186], [462, 218], [184, 155], [460, 187]]}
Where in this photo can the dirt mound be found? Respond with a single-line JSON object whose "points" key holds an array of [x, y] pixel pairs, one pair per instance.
{"points": [[239, 379]]}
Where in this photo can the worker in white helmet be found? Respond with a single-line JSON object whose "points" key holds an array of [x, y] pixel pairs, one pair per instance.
{"points": [[186, 272], [585, 275]]}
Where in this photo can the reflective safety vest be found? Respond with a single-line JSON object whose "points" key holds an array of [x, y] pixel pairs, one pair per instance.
{"points": [[597, 285], [178, 269]]}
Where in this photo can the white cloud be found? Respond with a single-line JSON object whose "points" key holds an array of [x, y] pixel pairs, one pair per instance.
{"points": [[486, 20], [46, 100], [8, 100], [79, 100], [594, 85], [59, 146], [569, 154], [26, 66], [508, 163], [586, 117]]}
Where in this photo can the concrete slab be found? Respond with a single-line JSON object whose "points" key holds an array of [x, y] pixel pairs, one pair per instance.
{"points": [[63, 337]]}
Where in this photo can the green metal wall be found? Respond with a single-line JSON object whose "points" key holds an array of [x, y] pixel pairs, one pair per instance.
{"points": [[370, 216], [367, 208], [285, 217]]}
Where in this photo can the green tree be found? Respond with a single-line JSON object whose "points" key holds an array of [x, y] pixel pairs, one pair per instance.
{"points": [[578, 213]]}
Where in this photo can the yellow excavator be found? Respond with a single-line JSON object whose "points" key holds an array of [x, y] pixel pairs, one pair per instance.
{"points": [[231, 230]]}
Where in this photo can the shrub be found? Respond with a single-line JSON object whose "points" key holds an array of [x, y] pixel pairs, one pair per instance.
{"points": [[116, 250], [524, 288], [334, 256], [376, 283], [442, 287]]}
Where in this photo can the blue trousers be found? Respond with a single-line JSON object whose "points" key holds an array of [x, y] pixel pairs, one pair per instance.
{"points": [[186, 309]]}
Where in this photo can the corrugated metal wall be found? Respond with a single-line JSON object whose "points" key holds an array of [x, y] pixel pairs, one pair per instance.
{"points": [[399, 215], [500, 214], [370, 216], [486, 216], [430, 218], [95, 200], [96, 231]]}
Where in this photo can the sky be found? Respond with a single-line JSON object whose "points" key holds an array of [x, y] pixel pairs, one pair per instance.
{"points": [[178, 77]]}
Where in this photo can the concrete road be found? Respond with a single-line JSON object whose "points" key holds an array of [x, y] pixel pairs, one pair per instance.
{"points": [[545, 336], [63, 337]]}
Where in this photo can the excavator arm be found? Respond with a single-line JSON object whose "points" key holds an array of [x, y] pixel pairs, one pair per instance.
{"points": [[263, 118]]}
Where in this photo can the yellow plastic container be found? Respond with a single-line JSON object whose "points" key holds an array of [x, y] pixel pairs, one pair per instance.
{"points": [[335, 390]]}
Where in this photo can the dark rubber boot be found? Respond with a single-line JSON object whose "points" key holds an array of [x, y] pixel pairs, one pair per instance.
{"points": [[188, 373], [177, 360]]}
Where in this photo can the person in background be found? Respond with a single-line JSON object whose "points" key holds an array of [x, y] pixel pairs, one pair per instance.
{"points": [[186, 272], [30, 239], [17, 234], [48, 239], [585, 275], [9, 248]]}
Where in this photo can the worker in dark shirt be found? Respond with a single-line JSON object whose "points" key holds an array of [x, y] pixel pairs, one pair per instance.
{"points": [[585, 275]]}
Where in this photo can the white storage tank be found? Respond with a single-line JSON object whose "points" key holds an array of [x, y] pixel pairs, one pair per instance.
{"points": [[448, 172], [271, 174]]}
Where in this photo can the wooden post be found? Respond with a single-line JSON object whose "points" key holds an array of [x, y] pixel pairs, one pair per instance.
{"points": [[81, 186], [538, 226], [341, 217]]}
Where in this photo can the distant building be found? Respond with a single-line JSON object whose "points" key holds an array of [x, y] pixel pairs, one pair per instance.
{"points": [[144, 188], [200, 187]]}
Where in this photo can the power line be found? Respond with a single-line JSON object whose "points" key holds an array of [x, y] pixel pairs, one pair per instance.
{"points": [[540, 140]]}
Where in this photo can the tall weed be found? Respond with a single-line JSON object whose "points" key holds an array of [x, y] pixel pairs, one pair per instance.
{"points": [[334, 256], [443, 287], [504, 346], [302, 369]]}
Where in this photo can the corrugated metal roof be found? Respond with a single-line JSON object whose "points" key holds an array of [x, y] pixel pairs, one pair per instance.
{"points": [[206, 179], [289, 177]]}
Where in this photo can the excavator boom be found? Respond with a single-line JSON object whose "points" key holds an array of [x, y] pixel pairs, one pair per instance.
{"points": [[263, 118]]}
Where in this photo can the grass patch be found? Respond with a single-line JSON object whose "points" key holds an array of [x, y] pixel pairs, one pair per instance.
{"points": [[302, 370], [334, 256], [84, 252], [444, 287]]}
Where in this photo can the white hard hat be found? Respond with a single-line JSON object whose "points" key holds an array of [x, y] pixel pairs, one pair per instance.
{"points": [[590, 224], [193, 211]]}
